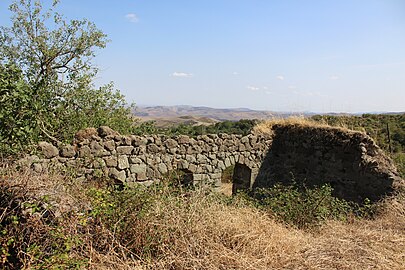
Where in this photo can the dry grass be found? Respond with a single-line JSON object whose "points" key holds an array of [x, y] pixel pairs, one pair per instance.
{"points": [[212, 235], [266, 127], [201, 231]]}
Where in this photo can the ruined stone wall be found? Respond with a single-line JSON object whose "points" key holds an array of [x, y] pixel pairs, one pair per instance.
{"points": [[349, 161], [144, 159]]}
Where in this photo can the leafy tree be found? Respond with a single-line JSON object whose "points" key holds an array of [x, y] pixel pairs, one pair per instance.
{"points": [[47, 72]]}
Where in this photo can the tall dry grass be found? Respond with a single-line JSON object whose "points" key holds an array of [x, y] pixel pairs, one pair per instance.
{"points": [[197, 230], [266, 126]]}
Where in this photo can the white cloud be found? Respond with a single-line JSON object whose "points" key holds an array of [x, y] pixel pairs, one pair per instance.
{"points": [[268, 92], [280, 77], [334, 77], [181, 75], [253, 88], [265, 88], [235, 73], [292, 87], [132, 17]]}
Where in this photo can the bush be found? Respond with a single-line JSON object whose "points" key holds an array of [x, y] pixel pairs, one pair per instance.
{"points": [[31, 237], [46, 79], [305, 207]]}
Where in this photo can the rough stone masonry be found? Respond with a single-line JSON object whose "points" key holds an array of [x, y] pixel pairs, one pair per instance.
{"points": [[350, 161]]}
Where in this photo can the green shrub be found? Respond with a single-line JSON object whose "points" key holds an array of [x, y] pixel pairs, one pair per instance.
{"points": [[304, 207], [31, 237], [46, 79], [122, 219]]}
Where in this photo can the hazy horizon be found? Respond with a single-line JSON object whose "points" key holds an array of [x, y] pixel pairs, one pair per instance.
{"points": [[318, 56], [246, 108]]}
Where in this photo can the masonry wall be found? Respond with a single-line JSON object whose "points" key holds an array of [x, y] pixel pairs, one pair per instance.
{"points": [[144, 159], [349, 161]]}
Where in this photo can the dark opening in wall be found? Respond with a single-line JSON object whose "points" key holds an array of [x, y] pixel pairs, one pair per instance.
{"points": [[241, 178], [182, 177]]}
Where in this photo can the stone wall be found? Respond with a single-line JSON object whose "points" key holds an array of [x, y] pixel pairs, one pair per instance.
{"points": [[144, 159], [350, 161]]}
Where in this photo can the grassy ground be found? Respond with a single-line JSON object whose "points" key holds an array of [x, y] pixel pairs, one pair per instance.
{"points": [[53, 222]]}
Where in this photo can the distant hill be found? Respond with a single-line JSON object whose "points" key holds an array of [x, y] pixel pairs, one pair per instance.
{"points": [[177, 113]]}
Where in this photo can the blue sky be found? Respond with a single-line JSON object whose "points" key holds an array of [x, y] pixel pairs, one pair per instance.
{"points": [[322, 56]]}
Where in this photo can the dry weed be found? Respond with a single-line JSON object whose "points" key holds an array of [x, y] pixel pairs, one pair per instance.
{"points": [[266, 127], [201, 231]]}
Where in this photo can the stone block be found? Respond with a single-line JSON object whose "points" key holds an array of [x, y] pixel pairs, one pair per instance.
{"points": [[111, 161], [117, 175], [48, 149], [182, 164], [125, 150], [141, 176], [138, 168], [192, 168], [170, 143], [135, 160], [85, 152], [123, 162], [227, 162], [97, 150], [68, 151], [105, 131], [138, 141], [109, 145], [162, 168], [191, 158], [99, 163], [183, 139], [152, 148]]}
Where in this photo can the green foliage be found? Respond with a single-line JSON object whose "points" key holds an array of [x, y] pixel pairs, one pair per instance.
{"points": [[399, 159], [242, 127], [46, 79], [17, 125], [227, 174], [127, 213], [376, 126], [31, 236], [145, 128], [304, 207]]}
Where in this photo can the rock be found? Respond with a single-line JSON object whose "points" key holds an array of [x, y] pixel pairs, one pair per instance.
{"points": [[105, 131], [123, 162], [141, 176], [125, 150], [138, 168], [162, 168], [190, 159], [183, 139], [117, 175], [182, 164], [37, 167], [192, 168], [135, 160], [153, 148], [48, 149], [97, 150], [110, 145], [111, 161], [99, 163], [170, 143], [68, 151], [138, 140], [85, 134], [126, 140]]}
